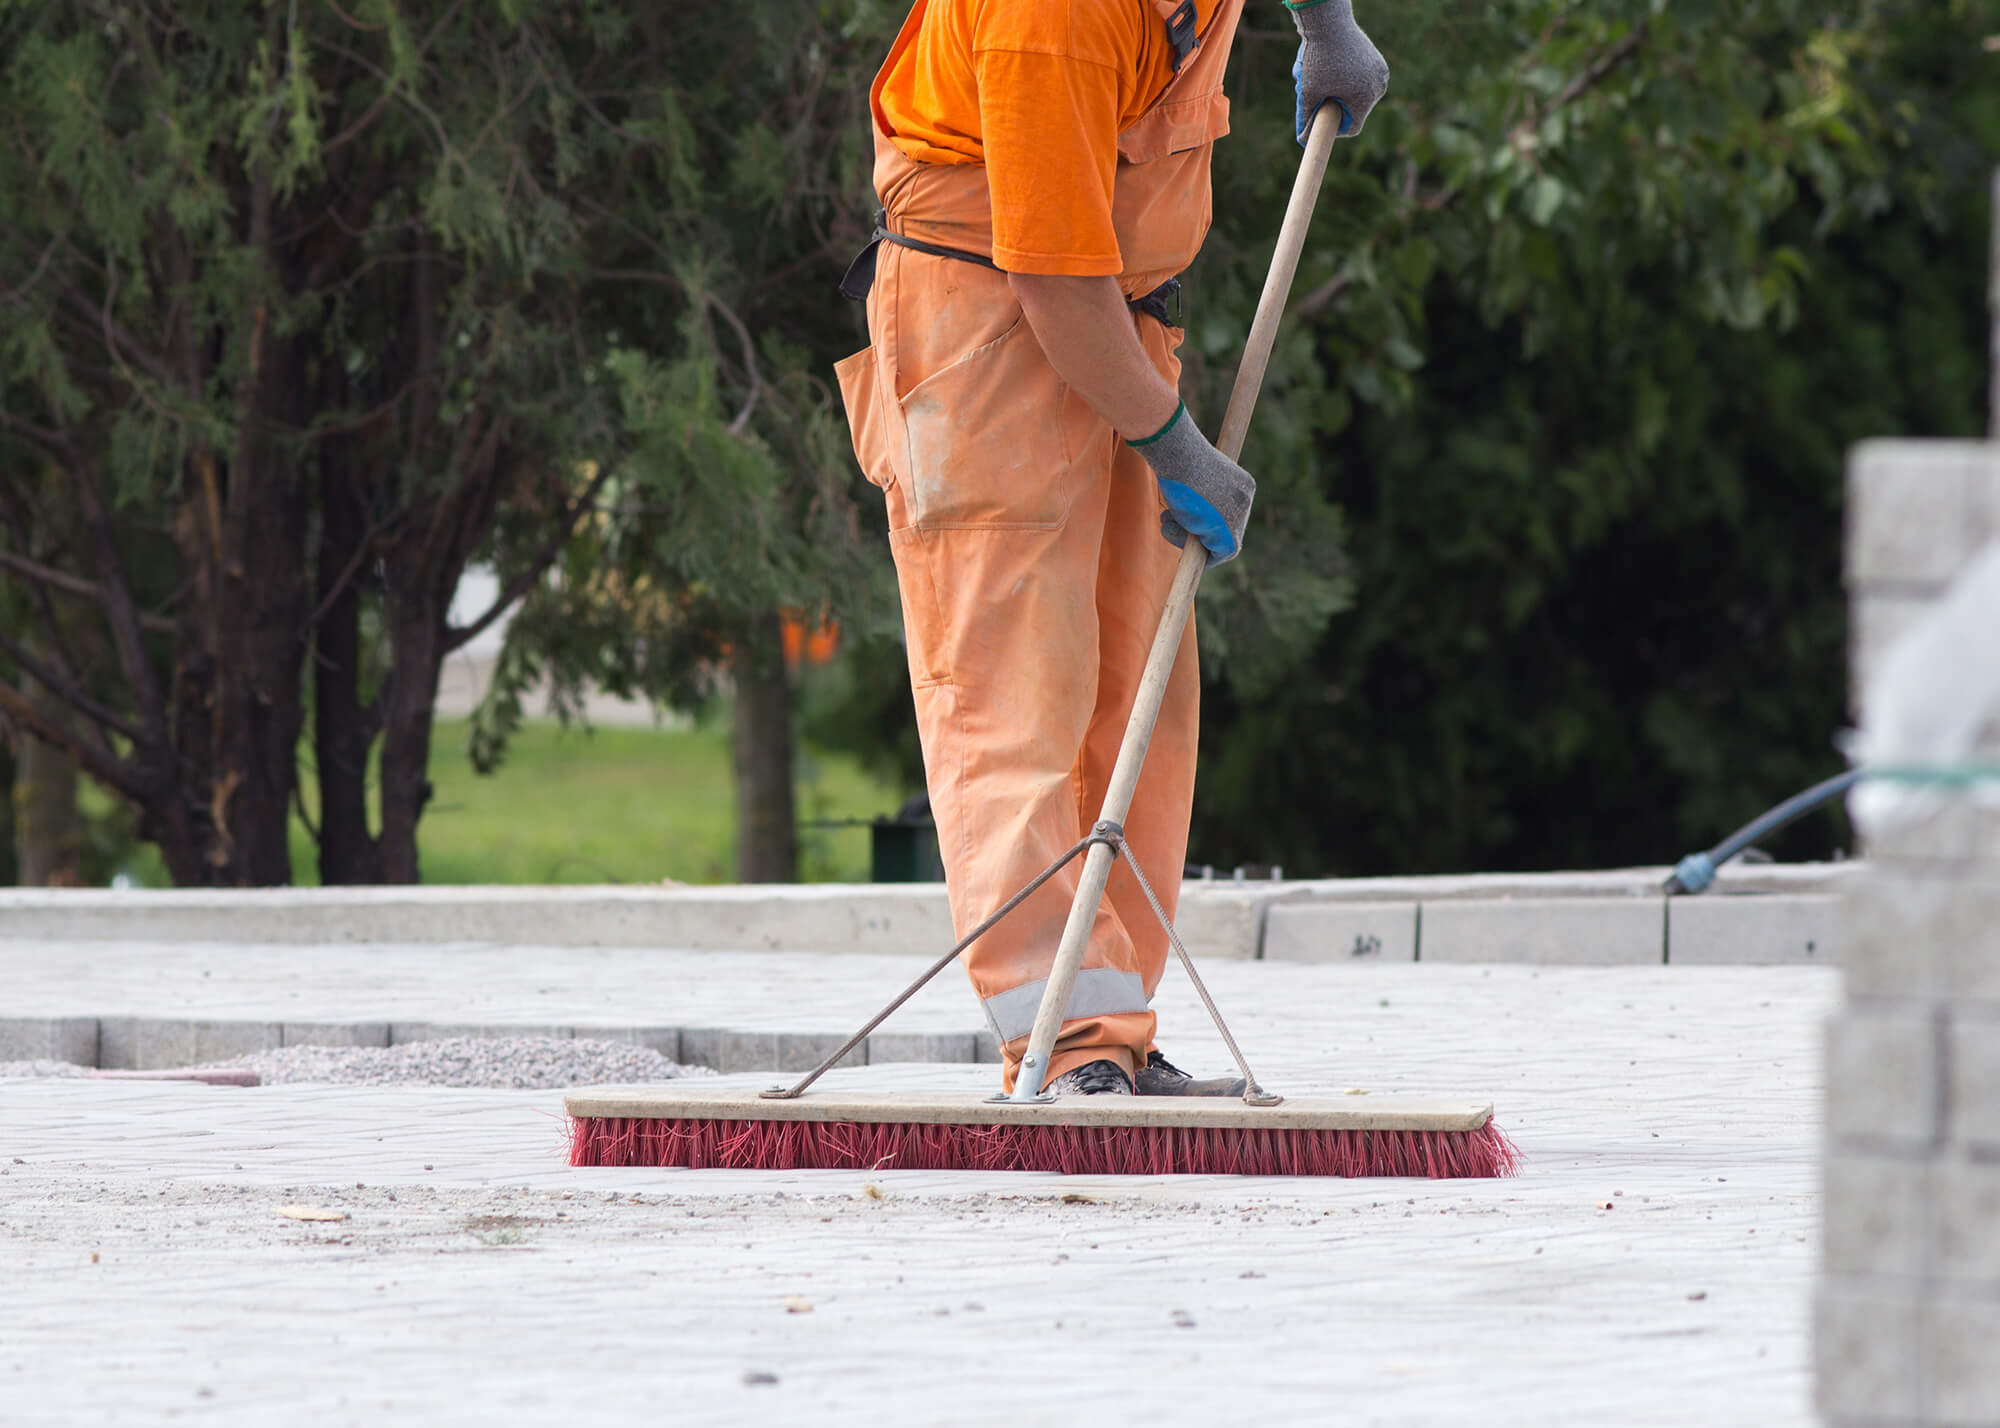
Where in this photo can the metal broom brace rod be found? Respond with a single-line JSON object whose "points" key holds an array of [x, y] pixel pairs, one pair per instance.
{"points": [[1173, 620]]}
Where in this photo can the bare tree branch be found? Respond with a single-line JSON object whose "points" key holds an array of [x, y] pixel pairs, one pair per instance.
{"points": [[525, 580], [28, 283], [119, 609], [42, 435], [111, 772], [68, 689], [74, 585]]}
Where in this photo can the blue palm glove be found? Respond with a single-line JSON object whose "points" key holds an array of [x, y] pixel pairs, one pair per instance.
{"points": [[1208, 496], [1337, 65]]}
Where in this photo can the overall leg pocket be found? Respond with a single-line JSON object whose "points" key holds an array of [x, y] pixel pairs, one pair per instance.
{"points": [[988, 439], [861, 392]]}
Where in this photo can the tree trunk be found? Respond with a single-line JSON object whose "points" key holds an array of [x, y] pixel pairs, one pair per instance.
{"points": [[48, 826], [767, 849], [417, 630], [222, 817], [342, 730]]}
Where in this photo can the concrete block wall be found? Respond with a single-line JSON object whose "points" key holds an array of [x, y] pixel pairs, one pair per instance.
{"points": [[1908, 1311]]}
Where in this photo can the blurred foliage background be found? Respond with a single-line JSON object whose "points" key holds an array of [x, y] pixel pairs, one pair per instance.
{"points": [[1546, 565]]}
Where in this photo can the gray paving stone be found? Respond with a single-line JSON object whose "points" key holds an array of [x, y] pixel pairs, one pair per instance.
{"points": [[1882, 1074], [889, 1046], [1961, 1358], [1301, 1290], [1975, 1079], [1341, 932], [1753, 928], [1876, 1218], [1967, 1214], [741, 1051], [1575, 931], [1867, 1346], [49, 1038], [136, 1043], [336, 1033]]}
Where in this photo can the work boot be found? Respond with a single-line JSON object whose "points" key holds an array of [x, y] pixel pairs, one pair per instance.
{"points": [[1160, 1077], [1093, 1078]]}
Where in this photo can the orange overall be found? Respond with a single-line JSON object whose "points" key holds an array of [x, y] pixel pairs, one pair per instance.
{"points": [[1027, 543]]}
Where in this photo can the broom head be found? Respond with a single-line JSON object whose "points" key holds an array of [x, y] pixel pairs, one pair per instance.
{"points": [[730, 1128]]}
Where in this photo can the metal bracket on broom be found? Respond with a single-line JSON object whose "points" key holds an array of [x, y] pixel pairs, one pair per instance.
{"points": [[1106, 840]]}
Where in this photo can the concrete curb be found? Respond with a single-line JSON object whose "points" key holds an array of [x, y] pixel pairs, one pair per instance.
{"points": [[1216, 920], [145, 1043]]}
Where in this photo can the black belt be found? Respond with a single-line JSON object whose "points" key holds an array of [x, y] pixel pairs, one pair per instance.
{"points": [[1162, 304]]}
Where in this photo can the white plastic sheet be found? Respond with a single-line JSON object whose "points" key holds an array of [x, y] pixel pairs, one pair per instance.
{"points": [[1926, 704]]}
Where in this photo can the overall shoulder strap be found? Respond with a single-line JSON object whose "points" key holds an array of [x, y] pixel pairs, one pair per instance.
{"points": [[1179, 16]]}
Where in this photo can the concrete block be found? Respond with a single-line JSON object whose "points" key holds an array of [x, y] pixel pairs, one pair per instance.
{"points": [[402, 1031], [1865, 1348], [1581, 931], [1876, 1215], [664, 1039], [1983, 471], [49, 1038], [1966, 1209], [1961, 1363], [1341, 932], [885, 1047], [1916, 930], [1752, 928], [1911, 511], [1958, 830], [1217, 920], [903, 918], [136, 1043], [986, 1049], [1882, 1075], [1896, 924], [781, 1051], [336, 1033], [1875, 621], [1975, 1080]]}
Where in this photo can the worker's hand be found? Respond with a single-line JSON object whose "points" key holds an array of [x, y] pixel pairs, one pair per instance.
{"points": [[1208, 496], [1337, 64]]}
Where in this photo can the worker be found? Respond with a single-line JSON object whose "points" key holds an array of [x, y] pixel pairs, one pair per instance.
{"points": [[1043, 171]]}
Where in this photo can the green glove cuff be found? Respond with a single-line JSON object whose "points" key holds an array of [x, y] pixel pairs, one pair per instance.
{"points": [[1179, 412]]}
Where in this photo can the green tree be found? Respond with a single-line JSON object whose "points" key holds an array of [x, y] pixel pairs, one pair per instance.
{"points": [[1588, 318], [310, 306], [1602, 300]]}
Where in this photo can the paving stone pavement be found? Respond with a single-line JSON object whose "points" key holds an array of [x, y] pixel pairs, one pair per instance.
{"points": [[477, 1279]]}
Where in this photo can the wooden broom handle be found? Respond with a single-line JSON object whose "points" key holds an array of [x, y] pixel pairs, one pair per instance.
{"points": [[1173, 619]]}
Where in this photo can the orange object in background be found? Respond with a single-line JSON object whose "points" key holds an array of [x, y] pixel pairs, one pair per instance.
{"points": [[1028, 551], [815, 644]]}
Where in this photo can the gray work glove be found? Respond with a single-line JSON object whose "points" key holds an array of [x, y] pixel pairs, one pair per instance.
{"points": [[1208, 496], [1336, 63]]}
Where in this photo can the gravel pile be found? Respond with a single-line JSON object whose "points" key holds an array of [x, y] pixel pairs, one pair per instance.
{"points": [[516, 1063]]}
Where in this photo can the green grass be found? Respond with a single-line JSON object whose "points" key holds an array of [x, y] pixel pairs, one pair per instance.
{"points": [[614, 805]]}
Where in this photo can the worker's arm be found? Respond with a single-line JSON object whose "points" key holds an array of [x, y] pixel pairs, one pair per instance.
{"points": [[1086, 332]]}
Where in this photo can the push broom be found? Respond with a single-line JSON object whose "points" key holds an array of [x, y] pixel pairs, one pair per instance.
{"points": [[784, 1128]]}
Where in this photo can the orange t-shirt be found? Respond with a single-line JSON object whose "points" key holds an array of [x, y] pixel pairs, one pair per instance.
{"points": [[1037, 91]]}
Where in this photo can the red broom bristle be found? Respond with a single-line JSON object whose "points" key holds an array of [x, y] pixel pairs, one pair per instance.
{"points": [[1068, 1150]]}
